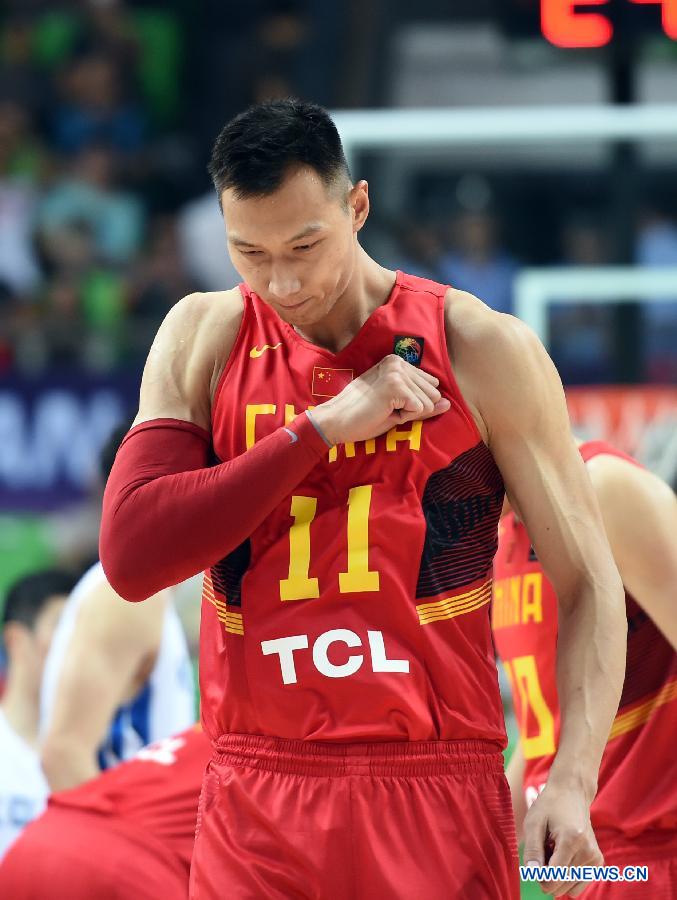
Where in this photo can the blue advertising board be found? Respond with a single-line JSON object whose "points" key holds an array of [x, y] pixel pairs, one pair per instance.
{"points": [[52, 430]]}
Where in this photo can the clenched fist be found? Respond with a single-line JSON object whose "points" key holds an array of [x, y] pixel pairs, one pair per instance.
{"points": [[390, 393]]}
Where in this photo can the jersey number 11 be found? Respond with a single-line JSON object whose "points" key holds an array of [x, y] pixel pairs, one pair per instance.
{"points": [[358, 578]]}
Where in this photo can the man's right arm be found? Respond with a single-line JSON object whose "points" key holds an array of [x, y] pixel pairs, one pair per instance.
{"points": [[187, 357], [166, 515]]}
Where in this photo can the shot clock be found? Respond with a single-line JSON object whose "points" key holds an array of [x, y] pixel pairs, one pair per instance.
{"points": [[587, 23], [593, 23]]}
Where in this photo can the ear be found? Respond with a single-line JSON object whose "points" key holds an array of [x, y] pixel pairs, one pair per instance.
{"points": [[12, 635], [359, 204]]}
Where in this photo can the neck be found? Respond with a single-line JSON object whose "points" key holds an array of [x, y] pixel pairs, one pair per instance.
{"points": [[368, 288], [21, 710]]}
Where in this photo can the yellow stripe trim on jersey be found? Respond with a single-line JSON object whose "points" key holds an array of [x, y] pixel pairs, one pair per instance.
{"points": [[219, 604], [632, 719], [452, 614], [469, 595], [461, 603], [232, 621], [451, 607], [231, 626]]}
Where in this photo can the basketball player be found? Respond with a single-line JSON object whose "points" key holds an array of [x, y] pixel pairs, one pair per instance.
{"points": [[635, 811], [126, 835], [348, 681], [117, 677], [32, 608]]}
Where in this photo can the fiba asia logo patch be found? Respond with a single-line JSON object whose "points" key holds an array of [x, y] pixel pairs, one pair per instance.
{"points": [[409, 348]]}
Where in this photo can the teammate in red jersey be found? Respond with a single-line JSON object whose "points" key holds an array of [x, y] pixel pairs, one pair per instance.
{"points": [[635, 811], [126, 835], [347, 672]]}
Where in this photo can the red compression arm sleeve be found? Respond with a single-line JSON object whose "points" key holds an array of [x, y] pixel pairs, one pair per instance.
{"points": [[166, 516]]}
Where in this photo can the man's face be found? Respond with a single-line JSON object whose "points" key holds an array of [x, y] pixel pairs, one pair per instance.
{"points": [[296, 247]]}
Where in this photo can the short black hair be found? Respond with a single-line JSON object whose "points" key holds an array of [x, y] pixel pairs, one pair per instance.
{"points": [[28, 596], [256, 149]]}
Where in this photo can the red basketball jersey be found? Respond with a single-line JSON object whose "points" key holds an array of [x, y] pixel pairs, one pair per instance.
{"points": [[359, 610], [157, 791], [638, 775]]}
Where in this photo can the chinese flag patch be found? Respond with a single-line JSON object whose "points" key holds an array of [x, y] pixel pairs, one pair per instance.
{"points": [[330, 382]]}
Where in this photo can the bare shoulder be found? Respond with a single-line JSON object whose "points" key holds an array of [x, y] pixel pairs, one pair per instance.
{"points": [[188, 356], [622, 486], [495, 357], [475, 332]]}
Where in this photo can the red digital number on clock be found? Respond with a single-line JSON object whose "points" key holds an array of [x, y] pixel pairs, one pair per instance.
{"points": [[566, 24]]}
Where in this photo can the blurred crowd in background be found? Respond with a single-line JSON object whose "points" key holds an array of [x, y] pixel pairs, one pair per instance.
{"points": [[107, 113], [100, 158], [102, 161]]}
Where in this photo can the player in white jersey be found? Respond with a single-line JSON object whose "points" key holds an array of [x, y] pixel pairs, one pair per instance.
{"points": [[114, 681], [117, 677], [32, 608]]}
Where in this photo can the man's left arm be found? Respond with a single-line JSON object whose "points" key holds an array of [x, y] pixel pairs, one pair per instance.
{"points": [[516, 396], [112, 644]]}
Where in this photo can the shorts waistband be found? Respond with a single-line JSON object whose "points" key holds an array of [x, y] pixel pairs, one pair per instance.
{"points": [[396, 758]]}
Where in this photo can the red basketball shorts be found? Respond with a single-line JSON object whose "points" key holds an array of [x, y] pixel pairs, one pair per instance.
{"points": [[294, 819], [656, 850], [72, 854]]}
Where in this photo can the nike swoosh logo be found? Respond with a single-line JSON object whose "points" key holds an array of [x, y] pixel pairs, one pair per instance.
{"points": [[255, 352], [292, 434]]}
